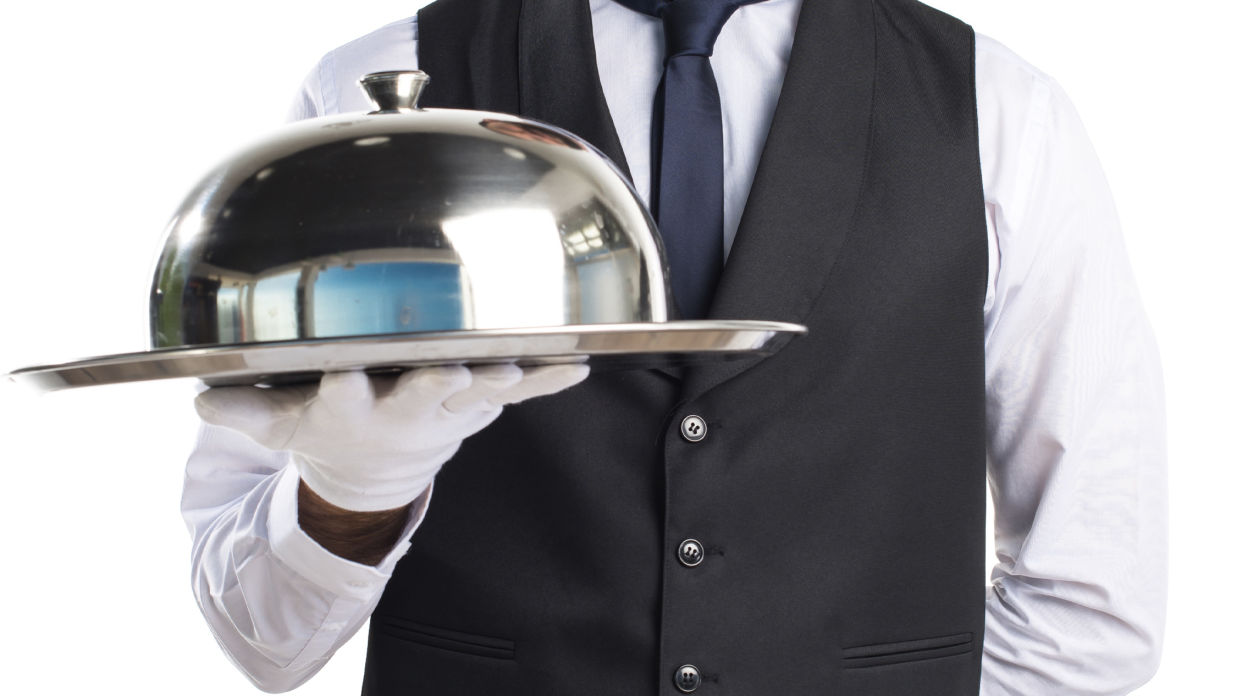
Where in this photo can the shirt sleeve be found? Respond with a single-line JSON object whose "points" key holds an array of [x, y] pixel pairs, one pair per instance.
{"points": [[278, 603], [331, 87], [1075, 410]]}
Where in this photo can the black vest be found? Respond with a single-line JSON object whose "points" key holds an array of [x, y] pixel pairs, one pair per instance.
{"points": [[839, 493]]}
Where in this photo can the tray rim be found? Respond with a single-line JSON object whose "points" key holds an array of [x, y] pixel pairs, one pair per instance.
{"points": [[41, 376]]}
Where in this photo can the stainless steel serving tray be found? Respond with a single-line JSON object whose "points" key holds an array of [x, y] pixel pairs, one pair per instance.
{"points": [[604, 346]]}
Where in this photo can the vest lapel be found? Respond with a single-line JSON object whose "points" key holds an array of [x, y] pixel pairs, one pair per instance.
{"points": [[807, 185], [559, 82]]}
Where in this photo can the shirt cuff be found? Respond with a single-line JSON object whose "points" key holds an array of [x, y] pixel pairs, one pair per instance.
{"points": [[309, 559]]}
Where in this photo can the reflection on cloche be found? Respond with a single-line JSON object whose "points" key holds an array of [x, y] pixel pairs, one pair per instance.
{"points": [[406, 220]]}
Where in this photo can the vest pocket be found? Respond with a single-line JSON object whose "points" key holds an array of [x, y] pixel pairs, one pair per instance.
{"points": [[906, 651], [446, 639]]}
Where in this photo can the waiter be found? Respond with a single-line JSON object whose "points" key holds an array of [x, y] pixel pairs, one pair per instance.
{"points": [[806, 523]]}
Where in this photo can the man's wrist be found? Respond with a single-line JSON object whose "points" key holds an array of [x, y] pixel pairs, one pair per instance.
{"points": [[361, 537]]}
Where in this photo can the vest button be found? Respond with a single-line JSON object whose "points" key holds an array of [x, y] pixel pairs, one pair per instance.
{"points": [[691, 553], [687, 679], [693, 428]]}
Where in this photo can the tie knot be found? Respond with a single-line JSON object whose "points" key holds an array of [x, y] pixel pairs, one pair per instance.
{"points": [[691, 26]]}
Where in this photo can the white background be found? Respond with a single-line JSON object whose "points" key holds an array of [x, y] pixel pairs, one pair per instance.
{"points": [[109, 112]]}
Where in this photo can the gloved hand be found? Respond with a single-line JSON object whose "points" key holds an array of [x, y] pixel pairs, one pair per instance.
{"points": [[374, 443]]}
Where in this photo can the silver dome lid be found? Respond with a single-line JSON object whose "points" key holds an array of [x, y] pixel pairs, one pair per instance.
{"points": [[406, 220], [408, 237]]}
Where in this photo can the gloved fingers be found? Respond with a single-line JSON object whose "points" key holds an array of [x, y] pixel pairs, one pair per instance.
{"points": [[487, 380], [266, 416], [425, 388], [345, 386], [540, 381], [446, 428], [346, 395]]}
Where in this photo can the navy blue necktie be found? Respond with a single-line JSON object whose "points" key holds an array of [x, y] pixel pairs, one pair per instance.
{"points": [[687, 185]]}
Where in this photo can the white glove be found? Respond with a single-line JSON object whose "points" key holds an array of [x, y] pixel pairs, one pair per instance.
{"points": [[375, 443]]}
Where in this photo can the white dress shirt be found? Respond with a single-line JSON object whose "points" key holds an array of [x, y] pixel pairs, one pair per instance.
{"points": [[1074, 397]]}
